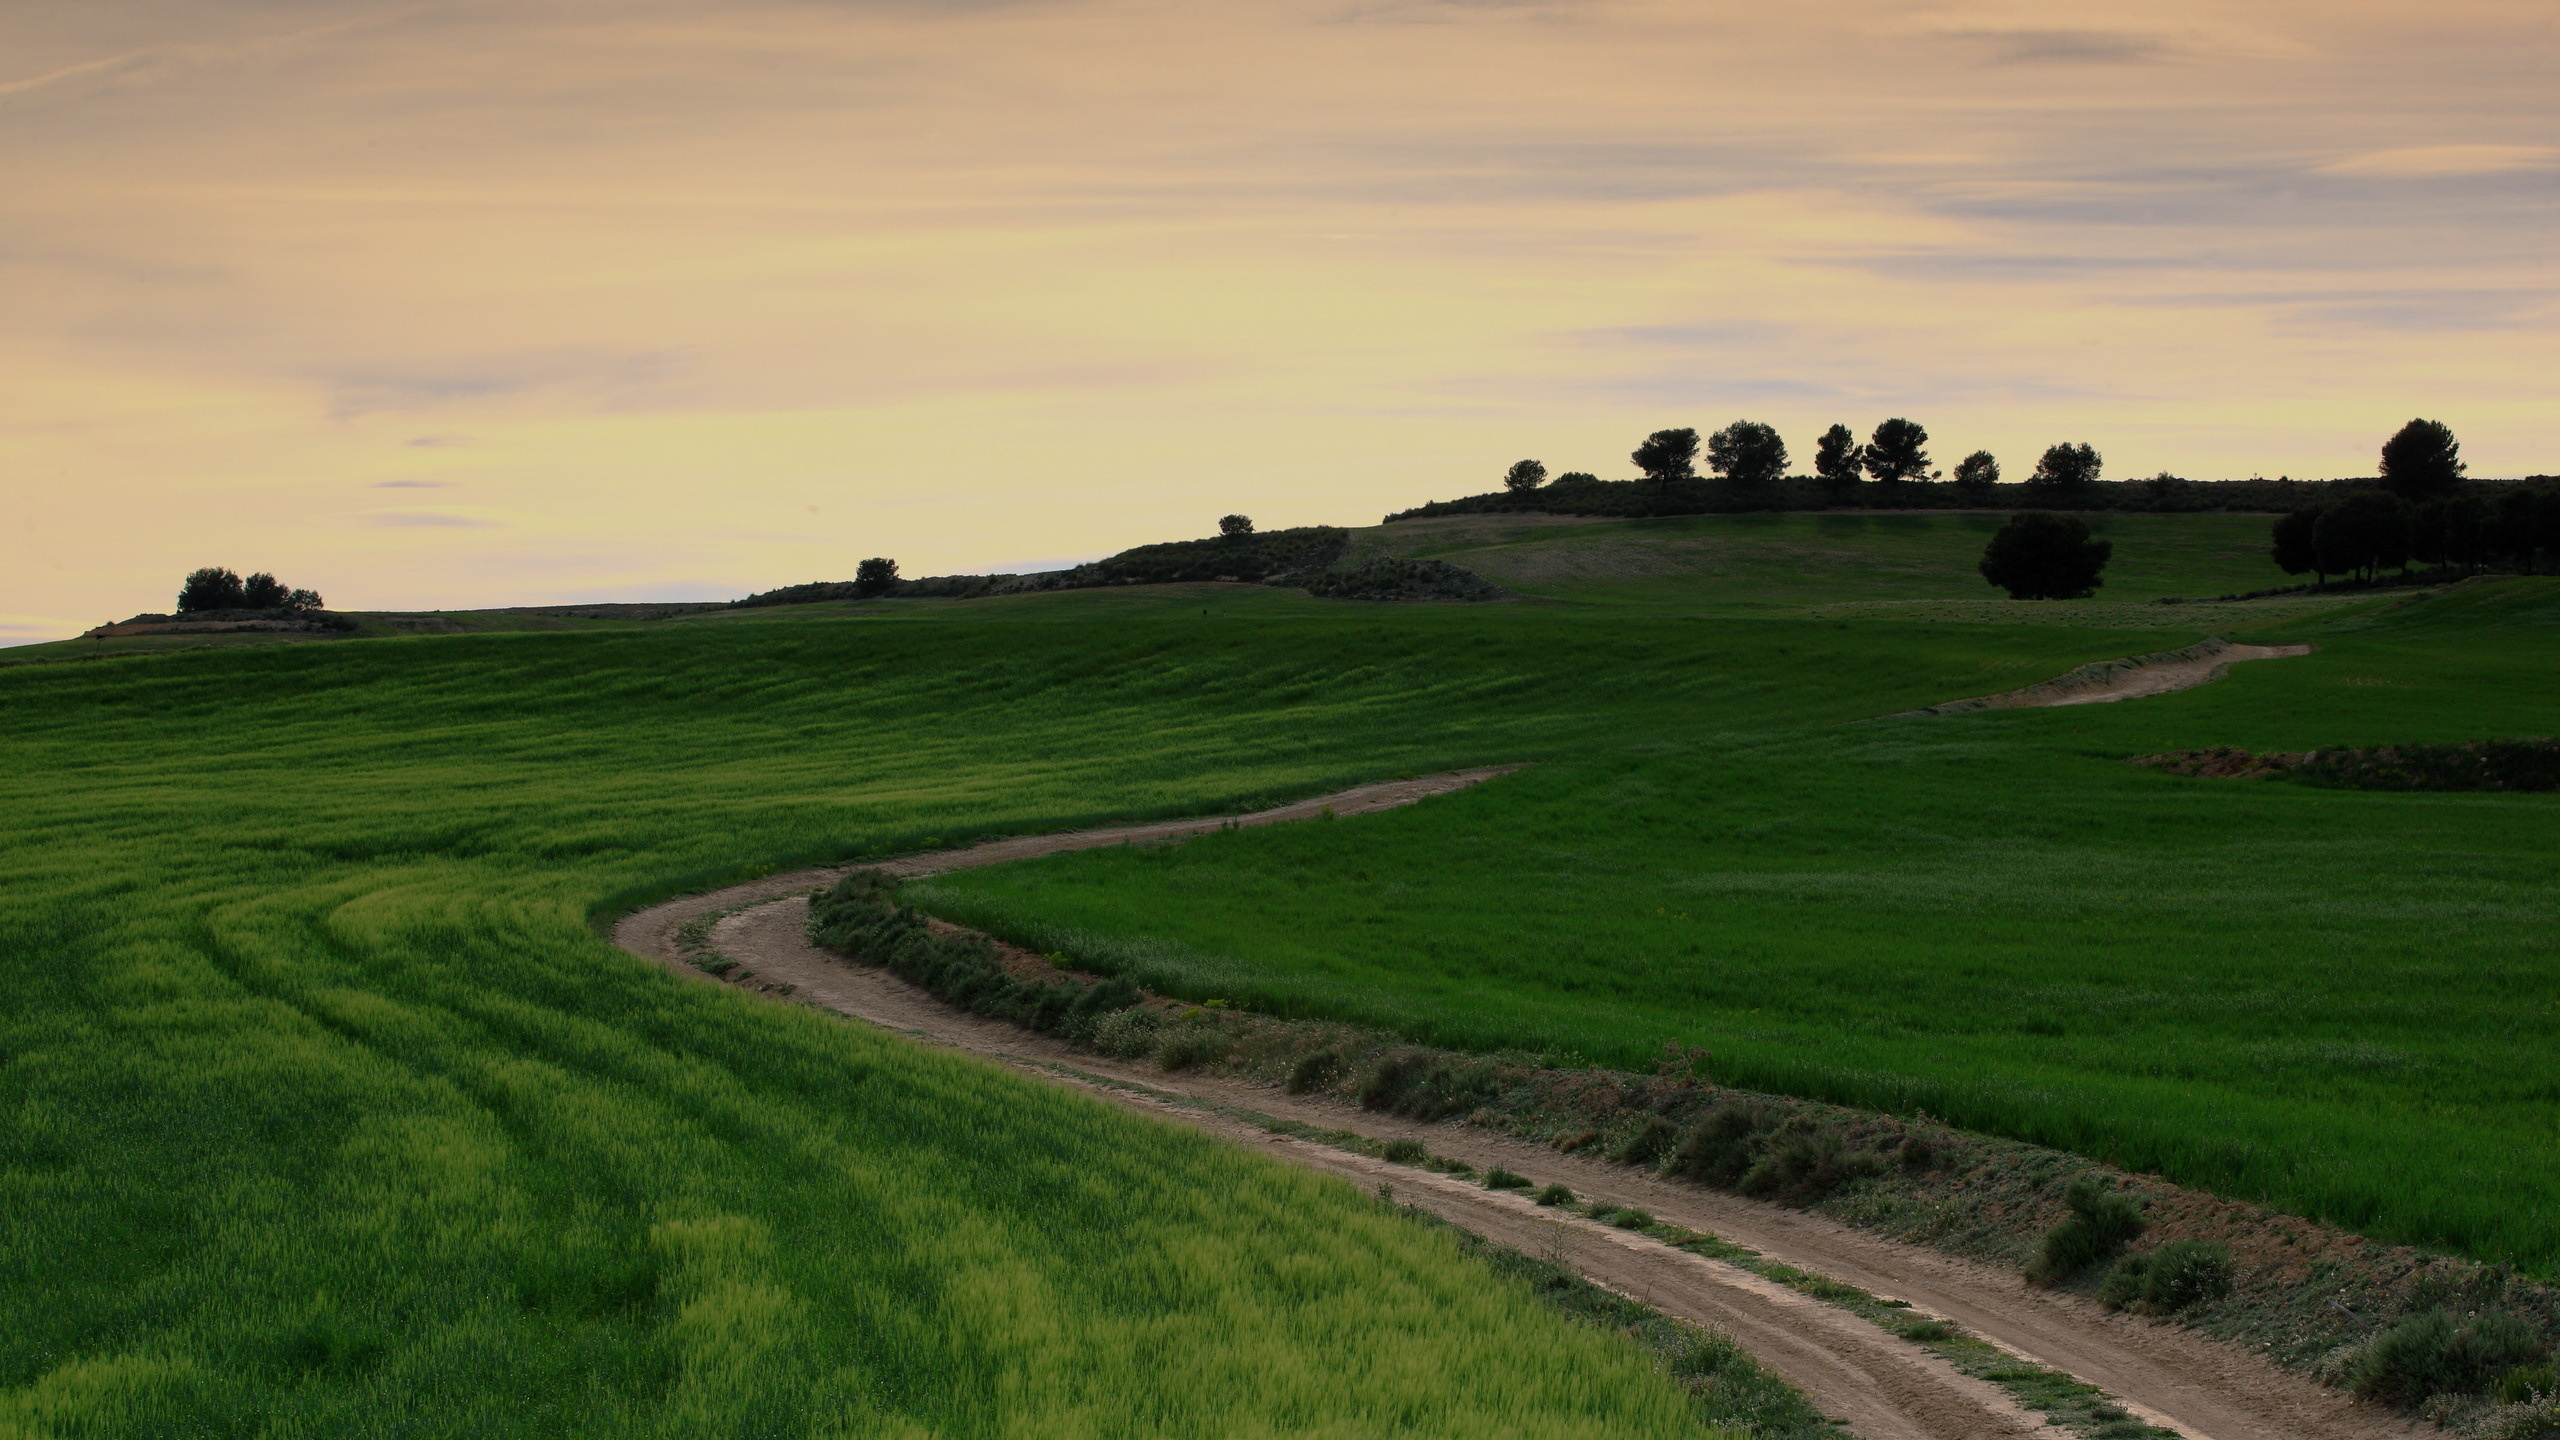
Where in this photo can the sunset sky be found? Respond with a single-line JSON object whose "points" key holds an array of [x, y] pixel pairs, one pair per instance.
{"points": [[474, 304]]}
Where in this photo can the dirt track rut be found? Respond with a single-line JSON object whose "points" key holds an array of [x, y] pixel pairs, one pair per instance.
{"points": [[1885, 1388]]}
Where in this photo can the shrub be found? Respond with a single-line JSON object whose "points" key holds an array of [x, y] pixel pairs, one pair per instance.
{"points": [[2100, 1223], [1393, 579], [1926, 1330], [1314, 1072], [2040, 555], [1631, 1218], [1499, 1178], [1421, 1086], [2432, 1354], [1647, 1144], [1804, 1161], [1127, 1034], [1555, 1195], [1722, 1145], [2527, 1383], [2170, 1279], [1404, 1152], [1189, 1045]]}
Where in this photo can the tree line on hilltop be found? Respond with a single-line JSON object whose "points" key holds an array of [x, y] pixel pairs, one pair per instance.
{"points": [[214, 588], [2423, 510], [1748, 467]]}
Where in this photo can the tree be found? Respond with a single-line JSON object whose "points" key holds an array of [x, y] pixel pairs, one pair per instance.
{"points": [[2067, 469], [875, 576], [211, 588], [1668, 455], [2423, 459], [1577, 477], [1838, 459], [1977, 473], [2039, 555], [262, 592], [2366, 532], [1894, 452], [2471, 532], [1524, 475], [1231, 526], [2294, 551], [302, 600], [1747, 452]]}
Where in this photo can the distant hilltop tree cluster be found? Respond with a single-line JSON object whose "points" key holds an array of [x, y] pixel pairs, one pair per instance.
{"points": [[213, 588], [1747, 468], [1752, 456], [2423, 512]]}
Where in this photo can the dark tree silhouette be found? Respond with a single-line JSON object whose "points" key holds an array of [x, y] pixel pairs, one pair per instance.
{"points": [[211, 588], [1894, 452], [1838, 459], [2294, 551], [875, 576], [1748, 453], [302, 600], [1977, 473], [2039, 555], [2066, 468], [2366, 532], [1577, 477], [1668, 455], [1235, 524], [262, 591], [1524, 475], [2423, 459]]}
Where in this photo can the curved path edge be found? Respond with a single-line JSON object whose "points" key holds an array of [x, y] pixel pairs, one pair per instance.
{"points": [[1884, 1388]]}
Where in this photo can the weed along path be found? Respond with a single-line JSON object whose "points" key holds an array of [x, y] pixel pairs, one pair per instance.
{"points": [[2160, 673], [1854, 1369]]}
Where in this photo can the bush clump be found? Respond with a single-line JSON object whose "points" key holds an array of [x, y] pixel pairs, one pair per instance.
{"points": [[1647, 1144], [2100, 1224], [1556, 1195], [1404, 1152], [2169, 1279], [1723, 1145], [860, 917], [1804, 1161], [1392, 579], [1184, 1047], [1419, 1085], [2433, 1354], [1314, 1071], [1500, 1178]]}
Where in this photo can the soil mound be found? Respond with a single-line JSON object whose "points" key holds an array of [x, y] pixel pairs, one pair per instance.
{"points": [[2516, 765]]}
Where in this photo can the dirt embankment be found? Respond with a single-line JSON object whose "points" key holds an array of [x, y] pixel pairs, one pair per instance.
{"points": [[1886, 1387]]}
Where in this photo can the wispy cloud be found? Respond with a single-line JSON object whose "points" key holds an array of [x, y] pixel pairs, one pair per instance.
{"points": [[429, 520], [2432, 161]]}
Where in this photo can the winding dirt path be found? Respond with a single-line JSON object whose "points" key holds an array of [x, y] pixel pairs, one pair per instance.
{"points": [[1885, 1388], [2128, 679]]}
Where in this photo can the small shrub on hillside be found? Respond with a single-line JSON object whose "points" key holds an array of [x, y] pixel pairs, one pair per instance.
{"points": [[1804, 1161], [1128, 1034], [1650, 1140], [2100, 1223], [2432, 1354], [1499, 1178], [1393, 579], [1314, 1072], [2527, 1383], [2165, 1281], [1190, 1045], [1629, 1217], [1925, 1330], [2039, 555], [1722, 1146], [2537, 1417], [1556, 1195], [1419, 1085], [1404, 1152]]}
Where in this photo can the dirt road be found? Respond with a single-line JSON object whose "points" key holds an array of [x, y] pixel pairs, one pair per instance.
{"points": [[1886, 1388], [2127, 679]]}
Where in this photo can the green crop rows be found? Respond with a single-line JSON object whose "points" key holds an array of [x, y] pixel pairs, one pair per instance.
{"points": [[330, 1113]]}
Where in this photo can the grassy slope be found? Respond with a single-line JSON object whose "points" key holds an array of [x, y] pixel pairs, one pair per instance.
{"points": [[329, 1114], [2338, 1002]]}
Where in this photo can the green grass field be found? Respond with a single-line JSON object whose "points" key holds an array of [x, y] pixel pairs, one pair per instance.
{"points": [[329, 1113]]}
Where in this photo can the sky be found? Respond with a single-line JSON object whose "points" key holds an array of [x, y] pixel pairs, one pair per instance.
{"points": [[472, 304]]}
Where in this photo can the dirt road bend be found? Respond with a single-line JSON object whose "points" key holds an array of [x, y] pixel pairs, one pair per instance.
{"points": [[1887, 1389]]}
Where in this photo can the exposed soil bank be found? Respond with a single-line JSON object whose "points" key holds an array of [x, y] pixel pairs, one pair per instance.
{"points": [[2128, 679]]}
